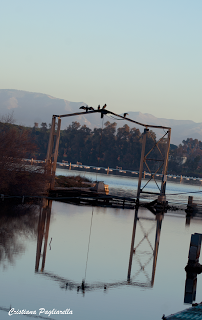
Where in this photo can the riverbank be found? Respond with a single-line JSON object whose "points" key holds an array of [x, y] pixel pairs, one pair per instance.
{"points": [[128, 173], [120, 172]]}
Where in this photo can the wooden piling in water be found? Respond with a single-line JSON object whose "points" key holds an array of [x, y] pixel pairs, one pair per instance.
{"points": [[191, 207]]}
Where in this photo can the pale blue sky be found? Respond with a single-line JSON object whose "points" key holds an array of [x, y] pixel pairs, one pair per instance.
{"points": [[133, 55]]}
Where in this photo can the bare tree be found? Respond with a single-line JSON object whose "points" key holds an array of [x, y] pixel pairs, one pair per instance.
{"points": [[16, 176]]}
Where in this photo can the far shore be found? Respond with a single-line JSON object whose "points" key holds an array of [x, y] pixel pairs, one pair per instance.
{"points": [[130, 174]]}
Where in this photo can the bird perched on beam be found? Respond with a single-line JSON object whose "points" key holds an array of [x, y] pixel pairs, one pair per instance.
{"points": [[91, 108], [125, 114], [98, 107], [104, 106], [84, 108]]}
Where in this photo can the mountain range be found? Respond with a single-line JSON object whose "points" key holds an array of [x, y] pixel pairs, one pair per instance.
{"points": [[29, 108]]}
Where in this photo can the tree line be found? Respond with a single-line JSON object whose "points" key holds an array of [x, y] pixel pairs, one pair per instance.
{"points": [[111, 147], [186, 159], [105, 147]]}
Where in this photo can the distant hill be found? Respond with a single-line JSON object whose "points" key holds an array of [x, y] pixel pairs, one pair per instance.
{"points": [[30, 107], [181, 129]]}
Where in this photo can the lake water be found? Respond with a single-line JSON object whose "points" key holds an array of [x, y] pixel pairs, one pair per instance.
{"points": [[31, 279], [127, 186]]}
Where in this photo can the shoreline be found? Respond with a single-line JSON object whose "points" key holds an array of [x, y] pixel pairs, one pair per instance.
{"points": [[119, 172], [130, 174]]}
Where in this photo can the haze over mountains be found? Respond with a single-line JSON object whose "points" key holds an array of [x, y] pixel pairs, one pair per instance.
{"points": [[30, 107]]}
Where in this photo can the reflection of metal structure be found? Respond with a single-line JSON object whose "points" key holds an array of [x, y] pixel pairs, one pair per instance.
{"points": [[153, 251], [43, 230], [53, 146], [66, 283]]}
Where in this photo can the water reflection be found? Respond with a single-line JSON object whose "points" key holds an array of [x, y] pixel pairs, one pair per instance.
{"points": [[136, 254], [157, 277], [43, 230], [16, 223], [153, 254], [190, 287]]}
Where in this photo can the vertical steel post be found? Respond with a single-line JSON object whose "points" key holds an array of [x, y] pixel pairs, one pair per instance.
{"points": [[165, 167], [51, 141], [132, 242], [142, 162], [55, 154]]}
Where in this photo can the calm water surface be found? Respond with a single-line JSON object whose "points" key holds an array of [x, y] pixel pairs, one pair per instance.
{"points": [[127, 186], [153, 290]]}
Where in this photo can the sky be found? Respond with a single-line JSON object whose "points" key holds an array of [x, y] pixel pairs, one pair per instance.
{"points": [[132, 55]]}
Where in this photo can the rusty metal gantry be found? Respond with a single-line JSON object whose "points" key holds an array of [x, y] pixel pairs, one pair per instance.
{"points": [[54, 138]]}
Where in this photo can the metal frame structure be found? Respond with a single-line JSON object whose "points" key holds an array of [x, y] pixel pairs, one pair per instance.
{"points": [[163, 164], [53, 146]]}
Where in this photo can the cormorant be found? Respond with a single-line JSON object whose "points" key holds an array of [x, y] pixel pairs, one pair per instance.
{"points": [[84, 108]]}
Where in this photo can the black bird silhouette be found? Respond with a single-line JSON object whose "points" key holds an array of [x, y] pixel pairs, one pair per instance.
{"points": [[84, 108], [98, 107], [91, 108], [125, 114], [104, 106]]}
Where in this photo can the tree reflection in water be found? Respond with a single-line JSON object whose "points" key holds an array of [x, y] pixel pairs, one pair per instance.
{"points": [[16, 224]]}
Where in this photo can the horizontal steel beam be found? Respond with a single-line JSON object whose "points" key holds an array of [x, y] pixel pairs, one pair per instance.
{"points": [[104, 111]]}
